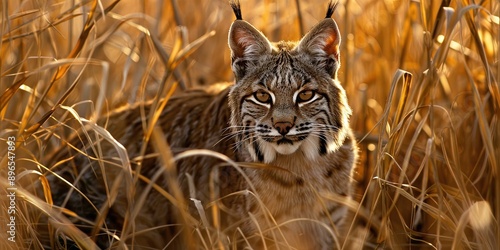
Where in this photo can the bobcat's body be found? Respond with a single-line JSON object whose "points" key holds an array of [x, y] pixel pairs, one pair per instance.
{"points": [[286, 112]]}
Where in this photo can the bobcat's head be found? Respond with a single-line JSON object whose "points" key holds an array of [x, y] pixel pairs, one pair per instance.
{"points": [[286, 99]]}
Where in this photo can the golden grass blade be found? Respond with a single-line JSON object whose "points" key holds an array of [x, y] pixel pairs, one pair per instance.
{"points": [[61, 71], [177, 46], [9, 92], [8, 37], [161, 146], [492, 82], [406, 79], [190, 48], [204, 220], [384, 163], [46, 190], [33, 128], [215, 209]]}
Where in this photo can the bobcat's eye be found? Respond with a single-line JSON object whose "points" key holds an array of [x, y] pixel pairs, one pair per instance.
{"points": [[305, 96], [262, 96]]}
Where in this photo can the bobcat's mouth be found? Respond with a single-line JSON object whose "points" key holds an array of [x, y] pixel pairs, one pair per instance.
{"points": [[284, 145], [284, 141]]}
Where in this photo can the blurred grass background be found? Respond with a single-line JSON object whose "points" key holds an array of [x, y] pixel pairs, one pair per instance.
{"points": [[421, 76]]}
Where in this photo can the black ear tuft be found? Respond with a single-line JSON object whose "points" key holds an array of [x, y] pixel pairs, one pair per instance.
{"points": [[332, 6], [235, 4]]}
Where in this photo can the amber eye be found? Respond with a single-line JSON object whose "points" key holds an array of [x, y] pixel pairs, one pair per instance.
{"points": [[262, 96], [305, 96]]}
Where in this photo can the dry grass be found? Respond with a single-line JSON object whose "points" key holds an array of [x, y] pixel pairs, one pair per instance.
{"points": [[421, 76]]}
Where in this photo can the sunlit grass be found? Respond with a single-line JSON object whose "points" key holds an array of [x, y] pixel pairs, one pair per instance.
{"points": [[421, 77]]}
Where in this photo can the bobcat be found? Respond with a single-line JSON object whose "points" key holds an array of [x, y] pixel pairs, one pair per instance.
{"points": [[288, 122]]}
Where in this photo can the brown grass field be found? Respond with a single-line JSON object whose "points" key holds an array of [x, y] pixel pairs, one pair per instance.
{"points": [[421, 76]]}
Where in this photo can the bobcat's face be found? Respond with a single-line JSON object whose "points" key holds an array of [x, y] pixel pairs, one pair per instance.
{"points": [[286, 99]]}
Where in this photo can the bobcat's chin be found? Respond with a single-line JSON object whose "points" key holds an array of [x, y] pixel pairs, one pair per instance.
{"points": [[286, 148], [266, 151]]}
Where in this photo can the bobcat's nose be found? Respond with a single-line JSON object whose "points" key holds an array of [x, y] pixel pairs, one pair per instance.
{"points": [[283, 127]]}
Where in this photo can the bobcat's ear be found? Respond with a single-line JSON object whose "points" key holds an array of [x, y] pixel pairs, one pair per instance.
{"points": [[322, 44], [247, 44]]}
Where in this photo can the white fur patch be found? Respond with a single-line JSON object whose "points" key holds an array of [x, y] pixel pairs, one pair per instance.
{"points": [[310, 147], [286, 149], [332, 146], [252, 152], [268, 151]]}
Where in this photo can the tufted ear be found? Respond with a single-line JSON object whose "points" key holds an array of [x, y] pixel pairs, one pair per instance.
{"points": [[247, 45], [322, 44]]}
